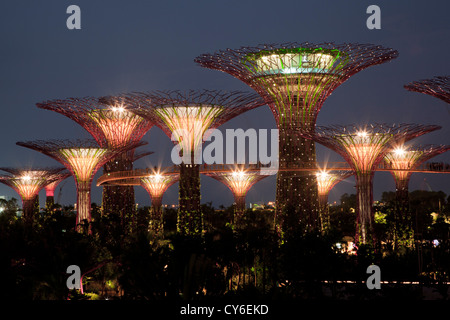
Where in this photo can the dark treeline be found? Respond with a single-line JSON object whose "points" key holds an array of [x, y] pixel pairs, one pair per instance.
{"points": [[227, 261]]}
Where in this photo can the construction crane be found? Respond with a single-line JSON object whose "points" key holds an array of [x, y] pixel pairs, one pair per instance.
{"points": [[60, 192]]}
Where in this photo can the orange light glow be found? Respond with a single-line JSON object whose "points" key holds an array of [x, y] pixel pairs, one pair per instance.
{"points": [[117, 124], [188, 124], [157, 183], [364, 148], [83, 161]]}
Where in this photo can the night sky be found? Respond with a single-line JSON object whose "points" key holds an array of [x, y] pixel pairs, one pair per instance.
{"points": [[126, 46]]}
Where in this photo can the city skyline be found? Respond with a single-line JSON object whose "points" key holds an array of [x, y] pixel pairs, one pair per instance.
{"points": [[44, 60]]}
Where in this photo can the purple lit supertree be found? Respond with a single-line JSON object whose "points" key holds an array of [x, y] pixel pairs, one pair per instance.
{"points": [[438, 87], [82, 158], [295, 79], [50, 189], [326, 180], [364, 148], [186, 117], [402, 160], [239, 180], [112, 126], [27, 182]]}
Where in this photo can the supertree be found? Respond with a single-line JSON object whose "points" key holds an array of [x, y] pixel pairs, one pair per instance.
{"points": [[364, 148], [82, 158], [187, 117], [239, 180], [112, 126], [50, 189], [154, 180], [156, 185], [295, 79], [402, 160], [326, 180], [27, 182], [438, 87]]}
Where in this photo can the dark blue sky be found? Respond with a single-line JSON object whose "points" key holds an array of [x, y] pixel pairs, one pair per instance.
{"points": [[146, 45]]}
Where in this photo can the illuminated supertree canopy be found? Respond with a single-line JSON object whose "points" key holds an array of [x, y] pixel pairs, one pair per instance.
{"points": [[112, 125], [185, 117], [295, 79], [402, 160], [326, 180], [363, 148], [239, 181], [107, 119], [27, 182], [156, 185], [82, 158], [438, 87]]}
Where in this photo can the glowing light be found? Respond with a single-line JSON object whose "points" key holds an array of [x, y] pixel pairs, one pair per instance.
{"points": [[238, 181], [326, 181], [118, 109], [401, 160], [364, 148], [50, 188], [28, 183], [362, 134], [293, 63], [117, 124], [399, 152], [83, 161], [28, 187], [188, 124], [157, 183], [238, 174]]}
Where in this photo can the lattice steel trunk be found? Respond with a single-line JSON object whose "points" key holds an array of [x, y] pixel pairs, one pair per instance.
{"points": [[83, 205], [365, 218], [190, 221], [28, 210], [404, 234], [120, 199], [156, 220], [324, 217], [296, 190], [49, 203], [239, 210]]}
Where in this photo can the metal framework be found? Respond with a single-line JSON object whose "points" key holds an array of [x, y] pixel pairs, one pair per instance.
{"points": [[186, 118], [295, 79], [141, 154], [82, 158], [364, 148], [112, 125], [326, 180], [156, 185], [438, 87], [27, 182], [402, 161], [239, 180]]}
